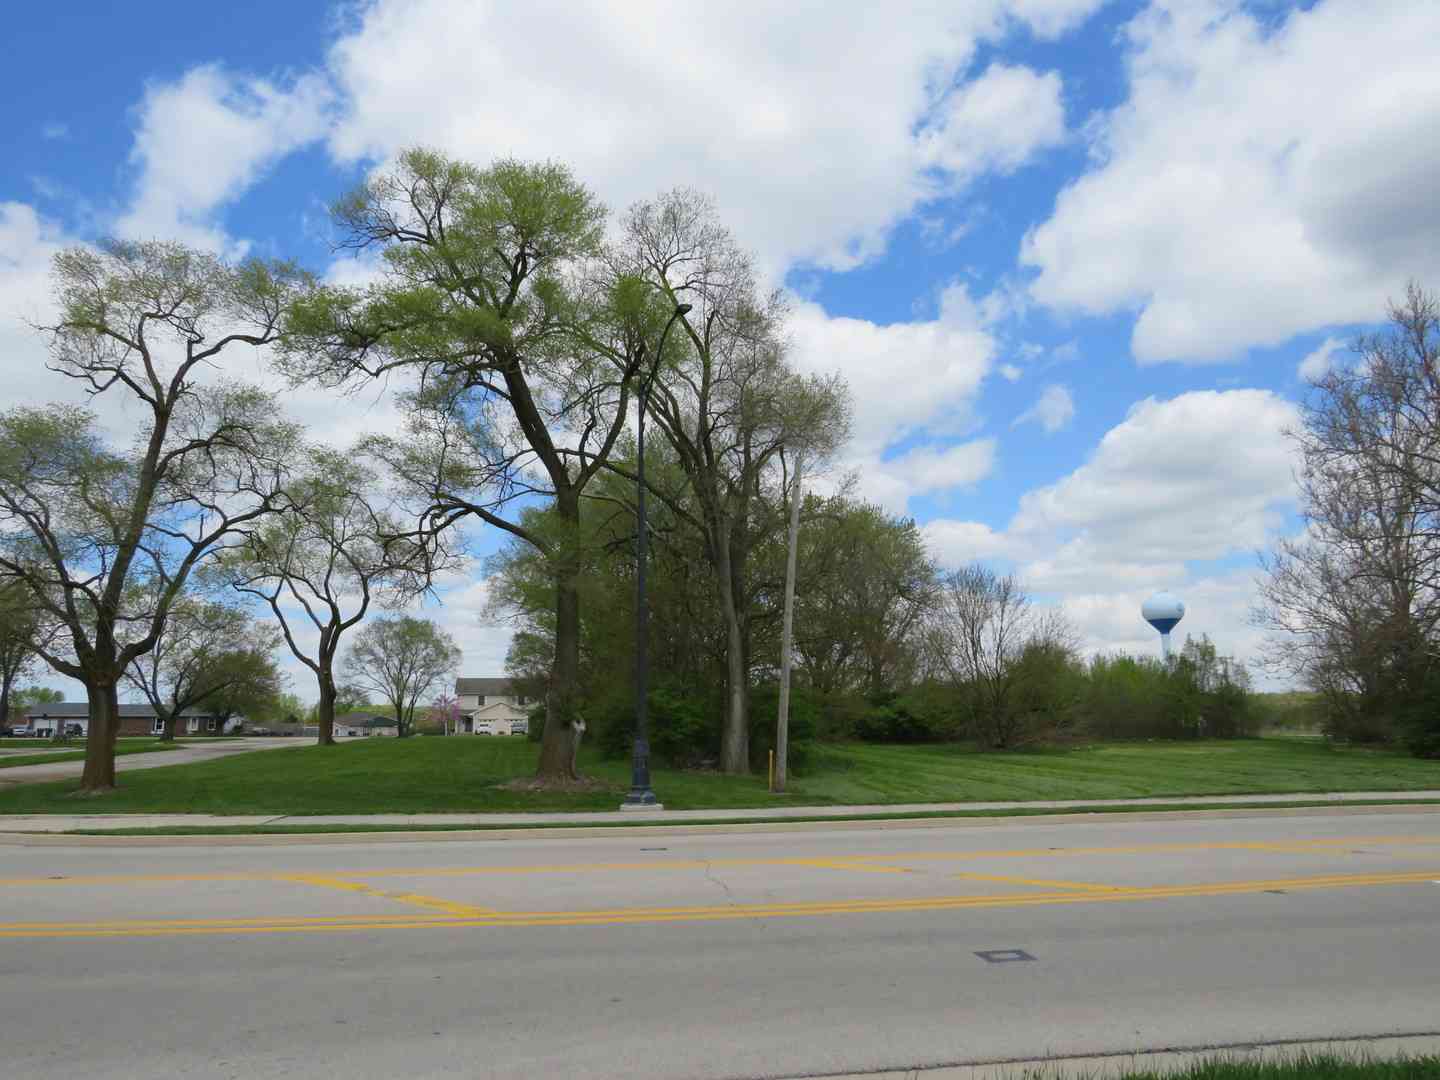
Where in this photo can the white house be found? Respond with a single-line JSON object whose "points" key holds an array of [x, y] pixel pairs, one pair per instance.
{"points": [[490, 706]]}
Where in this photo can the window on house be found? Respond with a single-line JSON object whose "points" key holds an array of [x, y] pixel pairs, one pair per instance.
{"points": [[158, 727], [479, 699], [210, 723], [522, 700]]}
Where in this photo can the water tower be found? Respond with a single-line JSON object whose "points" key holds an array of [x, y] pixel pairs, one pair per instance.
{"points": [[1163, 611]]}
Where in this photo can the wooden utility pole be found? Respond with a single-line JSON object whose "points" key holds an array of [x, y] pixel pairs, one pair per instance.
{"points": [[782, 723]]}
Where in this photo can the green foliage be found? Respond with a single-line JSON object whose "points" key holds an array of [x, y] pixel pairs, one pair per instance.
{"points": [[805, 710], [1418, 719]]}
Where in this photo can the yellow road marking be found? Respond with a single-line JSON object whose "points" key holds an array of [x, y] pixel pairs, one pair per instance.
{"points": [[1042, 883], [838, 862], [450, 907], [621, 916]]}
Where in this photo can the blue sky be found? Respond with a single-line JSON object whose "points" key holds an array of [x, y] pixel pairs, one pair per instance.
{"points": [[1071, 255]]}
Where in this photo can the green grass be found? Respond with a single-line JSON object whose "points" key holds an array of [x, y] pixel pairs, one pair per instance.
{"points": [[464, 774], [122, 749], [1299, 1067]]}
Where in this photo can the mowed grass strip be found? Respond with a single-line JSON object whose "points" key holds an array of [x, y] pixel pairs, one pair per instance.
{"points": [[1300, 1067], [122, 749], [460, 773]]}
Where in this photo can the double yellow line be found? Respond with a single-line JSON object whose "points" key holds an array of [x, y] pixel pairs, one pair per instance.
{"points": [[1078, 894]]}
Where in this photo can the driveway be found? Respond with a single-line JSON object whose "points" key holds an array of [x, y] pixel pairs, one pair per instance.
{"points": [[187, 753]]}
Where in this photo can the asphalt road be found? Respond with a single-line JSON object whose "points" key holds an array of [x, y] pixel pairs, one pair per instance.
{"points": [[727, 954], [185, 754]]}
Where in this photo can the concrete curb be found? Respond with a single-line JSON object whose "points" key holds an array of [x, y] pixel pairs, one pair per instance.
{"points": [[697, 828], [1158, 1061]]}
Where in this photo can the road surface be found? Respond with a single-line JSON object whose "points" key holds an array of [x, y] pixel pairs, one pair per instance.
{"points": [[725, 954], [185, 754]]}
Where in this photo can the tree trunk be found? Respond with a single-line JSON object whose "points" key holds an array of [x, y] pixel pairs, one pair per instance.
{"points": [[735, 733], [167, 730], [325, 711], [782, 723], [99, 774], [5, 702], [560, 741]]}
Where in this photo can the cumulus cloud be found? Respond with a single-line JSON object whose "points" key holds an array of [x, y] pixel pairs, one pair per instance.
{"points": [[28, 243], [1176, 486], [1053, 411], [203, 140], [1317, 364], [746, 102], [997, 122], [1010, 372], [1259, 181]]}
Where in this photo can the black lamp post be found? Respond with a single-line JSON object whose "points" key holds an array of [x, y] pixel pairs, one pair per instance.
{"points": [[641, 795]]}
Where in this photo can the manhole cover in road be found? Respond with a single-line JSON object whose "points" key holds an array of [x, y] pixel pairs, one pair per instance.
{"points": [[1003, 956]]}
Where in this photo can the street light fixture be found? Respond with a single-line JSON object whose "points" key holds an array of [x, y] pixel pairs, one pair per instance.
{"points": [[641, 796]]}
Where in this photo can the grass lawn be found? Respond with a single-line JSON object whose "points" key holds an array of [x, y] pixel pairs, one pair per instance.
{"points": [[1302, 1067], [123, 748], [463, 774]]}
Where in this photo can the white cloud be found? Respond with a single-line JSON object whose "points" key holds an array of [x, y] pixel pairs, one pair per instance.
{"points": [[1259, 181], [1195, 477], [955, 543], [28, 243], [1053, 411], [1177, 485], [904, 377], [997, 122], [1317, 364], [746, 101], [203, 140], [1010, 372]]}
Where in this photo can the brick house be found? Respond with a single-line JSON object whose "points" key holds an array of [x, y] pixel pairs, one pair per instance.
{"points": [[490, 705], [134, 720]]}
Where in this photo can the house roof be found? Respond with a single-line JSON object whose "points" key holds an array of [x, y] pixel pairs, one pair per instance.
{"points": [[80, 710], [487, 684], [365, 720]]}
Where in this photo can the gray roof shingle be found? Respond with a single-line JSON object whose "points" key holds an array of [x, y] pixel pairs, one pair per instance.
{"points": [[488, 684]]}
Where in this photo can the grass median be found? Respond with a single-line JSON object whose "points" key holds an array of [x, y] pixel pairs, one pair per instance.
{"points": [[478, 774]]}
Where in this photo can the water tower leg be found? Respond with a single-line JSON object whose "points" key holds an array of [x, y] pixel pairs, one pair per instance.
{"points": [[1165, 646]]}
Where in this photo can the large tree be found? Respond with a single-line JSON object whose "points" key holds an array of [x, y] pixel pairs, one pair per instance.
{"points": [[865, 583], [209, 654], [84, 517], [18, 630], [487, 300], [320, 565], [980, 631], [400, 659], [1353, 603], [729, 404]]}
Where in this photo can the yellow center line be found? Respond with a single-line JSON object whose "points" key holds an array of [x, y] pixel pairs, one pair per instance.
{"points": [[621, 916], [1042, 883]]}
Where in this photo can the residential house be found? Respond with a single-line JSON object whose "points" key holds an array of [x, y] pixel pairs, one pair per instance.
{"points": [[364, 725], [490, 705], [134, 720]]}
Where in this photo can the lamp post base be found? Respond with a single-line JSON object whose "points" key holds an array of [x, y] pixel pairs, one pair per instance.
{"points": [[641, 801]]}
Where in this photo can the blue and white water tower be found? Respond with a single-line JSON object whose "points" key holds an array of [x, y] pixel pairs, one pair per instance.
{"points": [[1163, 611]]}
